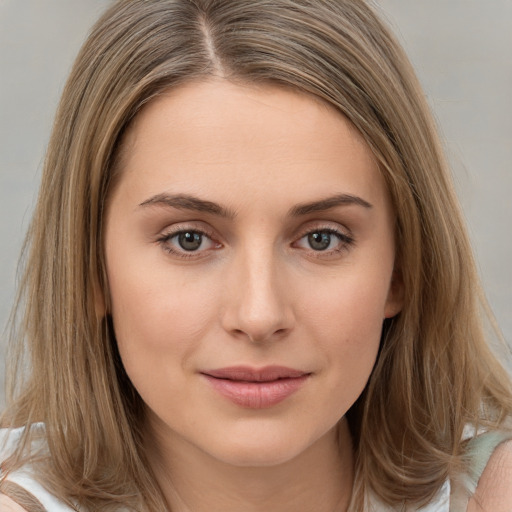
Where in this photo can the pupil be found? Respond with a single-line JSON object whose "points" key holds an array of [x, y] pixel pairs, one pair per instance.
{"points": [[319, 241], [190, 241]]}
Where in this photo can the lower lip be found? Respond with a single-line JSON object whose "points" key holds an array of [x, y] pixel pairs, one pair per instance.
{"points": [[256, 395]]}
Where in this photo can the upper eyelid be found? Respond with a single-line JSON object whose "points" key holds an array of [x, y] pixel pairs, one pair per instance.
{"points": [[179, 227], [343, 237], [344, 234], [165, 236], [309, 227], [164, 241], [333, 227]]}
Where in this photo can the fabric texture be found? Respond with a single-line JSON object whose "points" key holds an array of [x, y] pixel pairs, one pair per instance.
{"points": [[24, 477], [479, 450]]}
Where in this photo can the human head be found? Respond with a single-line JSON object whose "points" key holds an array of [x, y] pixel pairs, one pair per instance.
{"points": [[337, 51]]}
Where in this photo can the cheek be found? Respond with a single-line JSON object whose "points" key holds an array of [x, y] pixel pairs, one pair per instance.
{"points": [[353, 306], [346, 321], [157, 312], [159, 324]]}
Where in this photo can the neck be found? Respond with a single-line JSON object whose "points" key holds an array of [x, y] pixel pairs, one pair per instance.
{"points": [[319, 479]]}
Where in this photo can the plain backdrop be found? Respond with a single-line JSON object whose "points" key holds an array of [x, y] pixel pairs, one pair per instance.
{"points": [[462, 51]]}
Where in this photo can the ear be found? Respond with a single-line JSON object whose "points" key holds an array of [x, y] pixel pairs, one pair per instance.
{"points": [[395, 299]]}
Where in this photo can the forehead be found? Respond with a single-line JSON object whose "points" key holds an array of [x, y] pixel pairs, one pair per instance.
{"points": [[246, 139]]}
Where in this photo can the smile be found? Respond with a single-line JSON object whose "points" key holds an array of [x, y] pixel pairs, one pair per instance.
{"points": [[256, 388]]}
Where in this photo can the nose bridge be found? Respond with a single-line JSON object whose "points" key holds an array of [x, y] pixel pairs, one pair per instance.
{"points": [[258, 306]]}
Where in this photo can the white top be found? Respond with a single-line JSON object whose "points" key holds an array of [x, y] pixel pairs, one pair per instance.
{"points": [[25, 478]]}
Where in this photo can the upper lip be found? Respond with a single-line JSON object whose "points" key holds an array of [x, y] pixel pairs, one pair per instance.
{"points": [[249, 374]]}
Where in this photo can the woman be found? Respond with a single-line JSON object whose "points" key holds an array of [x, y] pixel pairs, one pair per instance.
{"points": [[248, 283]]}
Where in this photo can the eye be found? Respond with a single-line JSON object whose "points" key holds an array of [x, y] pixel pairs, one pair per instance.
{"points": [[320, 241], [187, 243], [189, 240], [325, 240]]}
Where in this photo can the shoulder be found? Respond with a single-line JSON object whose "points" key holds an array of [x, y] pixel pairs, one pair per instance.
{"points": [[494, 490], [8, 505], [21, 489]]}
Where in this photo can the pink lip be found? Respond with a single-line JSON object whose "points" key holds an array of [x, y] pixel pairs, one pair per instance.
{"points": [[256, 388]]}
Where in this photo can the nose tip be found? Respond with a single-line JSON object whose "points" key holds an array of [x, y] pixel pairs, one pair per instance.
{"points": [[260, 326], [258, 309], [259, 315]]}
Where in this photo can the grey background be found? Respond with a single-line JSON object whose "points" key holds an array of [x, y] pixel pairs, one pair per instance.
{"points": [[462, 51]]}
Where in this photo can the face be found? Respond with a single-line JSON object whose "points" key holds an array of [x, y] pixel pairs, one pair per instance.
{"points": [[250, 250]]}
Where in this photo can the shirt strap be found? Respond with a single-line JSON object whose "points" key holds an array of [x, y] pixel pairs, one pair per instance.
{"points": [[478, 450]]}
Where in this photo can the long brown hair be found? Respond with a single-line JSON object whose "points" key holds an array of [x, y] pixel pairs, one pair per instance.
{"points": [[434, 374]]}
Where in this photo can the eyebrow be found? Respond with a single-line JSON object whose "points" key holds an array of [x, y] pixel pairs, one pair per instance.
{"points": [[327, 204], [189, 202]]}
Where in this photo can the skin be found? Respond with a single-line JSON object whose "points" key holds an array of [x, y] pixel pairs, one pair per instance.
{"points": [[258, 294], [8, 505], [493, 493], [255, 293]]}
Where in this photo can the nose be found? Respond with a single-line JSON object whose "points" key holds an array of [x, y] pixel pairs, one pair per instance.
{"points": [[257, 307]]}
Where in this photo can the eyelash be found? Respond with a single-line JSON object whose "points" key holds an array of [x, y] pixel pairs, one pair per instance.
{"points": [[345, 241], [166, 238]]}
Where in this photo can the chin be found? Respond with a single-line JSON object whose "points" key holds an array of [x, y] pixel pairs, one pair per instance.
{"points": [[263, 450], [259, 457]]}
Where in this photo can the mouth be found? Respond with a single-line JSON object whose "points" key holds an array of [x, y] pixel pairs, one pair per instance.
{"points": [[256, 388]]}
